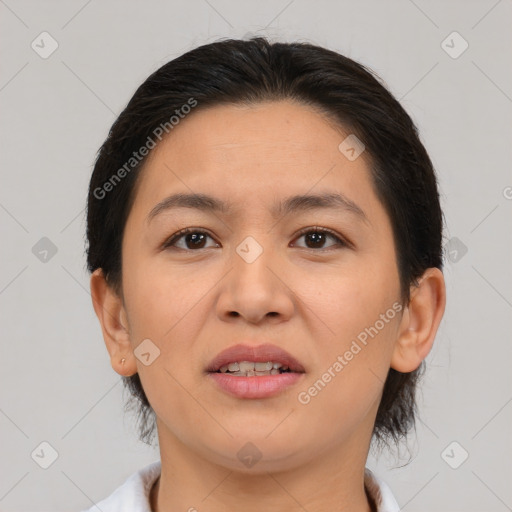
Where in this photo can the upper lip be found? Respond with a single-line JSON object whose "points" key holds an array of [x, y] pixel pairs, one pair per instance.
{"points": [[258, 354]]}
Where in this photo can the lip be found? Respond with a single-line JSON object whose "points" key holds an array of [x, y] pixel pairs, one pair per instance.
{"points": [[258, 354], [263, 386]]}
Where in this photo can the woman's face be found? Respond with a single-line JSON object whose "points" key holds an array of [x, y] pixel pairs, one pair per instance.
{"points": [[248, 276]]}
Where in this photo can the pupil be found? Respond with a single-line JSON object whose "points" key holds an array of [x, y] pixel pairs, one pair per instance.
{"points": [[194, 237], [316, 238]]}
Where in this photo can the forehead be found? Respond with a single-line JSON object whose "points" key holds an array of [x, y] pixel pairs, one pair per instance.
{"points": [[272, 125], [253, 155]]}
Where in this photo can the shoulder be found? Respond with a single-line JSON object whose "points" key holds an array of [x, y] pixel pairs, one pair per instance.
{"points": [[133, 494]]}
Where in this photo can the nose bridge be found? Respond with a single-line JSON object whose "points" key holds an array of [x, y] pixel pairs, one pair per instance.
{"points": [[253, 262], [255, 225], [254, 288]]}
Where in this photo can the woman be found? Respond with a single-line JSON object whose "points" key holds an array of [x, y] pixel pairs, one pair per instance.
{"points": [[265, 242]]}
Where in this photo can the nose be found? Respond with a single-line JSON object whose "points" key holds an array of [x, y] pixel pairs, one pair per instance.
{"points": [[256, 291]]}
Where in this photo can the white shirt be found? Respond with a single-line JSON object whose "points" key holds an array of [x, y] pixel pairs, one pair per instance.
{"points": [[133, 495]]}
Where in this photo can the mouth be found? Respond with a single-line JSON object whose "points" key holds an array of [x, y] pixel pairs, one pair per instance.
{"points": [[254, 369], [252, 361], [263, 371]]}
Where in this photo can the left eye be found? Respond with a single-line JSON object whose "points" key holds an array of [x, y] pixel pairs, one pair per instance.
{"points": [[195, 239], [317, 237]]}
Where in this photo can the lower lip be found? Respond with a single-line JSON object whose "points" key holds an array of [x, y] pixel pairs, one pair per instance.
{"points": [[262, 386]]}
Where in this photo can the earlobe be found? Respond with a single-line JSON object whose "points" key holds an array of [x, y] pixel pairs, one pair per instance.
{"points": [[111, 314], [420, 322]]}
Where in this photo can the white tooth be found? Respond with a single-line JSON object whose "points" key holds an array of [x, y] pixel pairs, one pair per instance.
{"points": [[224, 369], [276, 365], [246, 366], [251, 373], [267, 372], [238, 374], [261, 367], [274, 371], [284, 368], [233, 367]]}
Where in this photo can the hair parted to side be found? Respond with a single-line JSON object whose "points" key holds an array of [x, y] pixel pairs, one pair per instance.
{"points": [[250, 72]]}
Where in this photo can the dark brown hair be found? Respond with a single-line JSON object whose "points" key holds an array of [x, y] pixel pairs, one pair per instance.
{"points": [[252, 71]]}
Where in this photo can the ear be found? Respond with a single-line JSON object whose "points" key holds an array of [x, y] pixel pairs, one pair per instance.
{"points": [[420, 322], [111, 313]]}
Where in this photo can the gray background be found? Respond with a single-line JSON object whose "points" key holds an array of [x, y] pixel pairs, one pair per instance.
{"points": [[57, 385]]}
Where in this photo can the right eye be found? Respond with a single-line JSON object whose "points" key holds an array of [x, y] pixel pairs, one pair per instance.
{"points": [[192, 239]]}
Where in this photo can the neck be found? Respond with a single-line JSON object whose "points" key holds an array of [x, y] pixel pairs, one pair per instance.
{"points": [[333, 480]]}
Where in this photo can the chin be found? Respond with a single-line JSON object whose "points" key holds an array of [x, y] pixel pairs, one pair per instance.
{"points": [[254, 453]]}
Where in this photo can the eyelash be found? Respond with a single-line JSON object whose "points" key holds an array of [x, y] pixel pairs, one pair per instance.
{"points": [[341, 242]]}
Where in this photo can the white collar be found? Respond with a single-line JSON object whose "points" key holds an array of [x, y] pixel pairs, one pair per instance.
{"points": [[380, 492], [133, 495]]}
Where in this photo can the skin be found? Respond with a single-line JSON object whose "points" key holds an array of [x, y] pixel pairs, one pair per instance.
{"points": [[312, 300]]}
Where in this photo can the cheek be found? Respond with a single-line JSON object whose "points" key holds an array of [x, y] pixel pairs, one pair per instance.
{"points": [[336, 407], [351, 300], [169, 307], [163, 298], [348, 381], [361, 314]]}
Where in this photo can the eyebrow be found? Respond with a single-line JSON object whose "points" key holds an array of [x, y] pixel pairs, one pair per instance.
{"points": [[293, 204]]}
